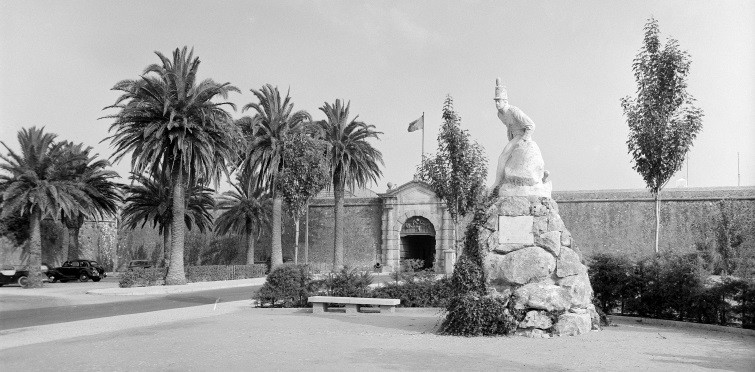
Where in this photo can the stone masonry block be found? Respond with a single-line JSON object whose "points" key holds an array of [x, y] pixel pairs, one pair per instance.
{"points": [[514, 206], [539, 225]]}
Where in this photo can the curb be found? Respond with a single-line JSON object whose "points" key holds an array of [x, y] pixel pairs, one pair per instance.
{"points": [[171, 289], [621, 319]]}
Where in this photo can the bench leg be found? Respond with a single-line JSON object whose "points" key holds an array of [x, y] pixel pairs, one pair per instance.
{"points": [[387, 309], [352, 308], [318, 308]]}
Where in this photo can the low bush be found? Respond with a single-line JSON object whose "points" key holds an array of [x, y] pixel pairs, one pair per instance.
{"points": [[422, 293], [287, 285], [140, 277], [211, 273], [475, 315], [349, 282], [671, 286]]}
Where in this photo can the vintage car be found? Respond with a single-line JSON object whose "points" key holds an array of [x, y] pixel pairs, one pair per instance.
{"points": [[135, 264], [81, 270], [9, 275]]}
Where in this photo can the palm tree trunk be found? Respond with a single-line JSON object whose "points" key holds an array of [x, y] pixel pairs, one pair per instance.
{"points": [[250, 248], [35, 249], [64, 249], [276, 256], [176, 273], [296, 240], [657, 220], [72, 252], [166, 246], [338, 214]]}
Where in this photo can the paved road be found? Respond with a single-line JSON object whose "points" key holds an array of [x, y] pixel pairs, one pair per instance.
{"points": [[58, 314]]}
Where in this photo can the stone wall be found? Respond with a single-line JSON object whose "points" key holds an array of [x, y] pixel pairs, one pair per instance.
{"points": [[623, 221]]}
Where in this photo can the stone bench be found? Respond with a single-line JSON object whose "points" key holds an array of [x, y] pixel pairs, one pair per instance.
{"points": [[353, 304]]}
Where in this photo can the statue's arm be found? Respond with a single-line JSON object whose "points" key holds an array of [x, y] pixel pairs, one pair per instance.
{"points": [[524, 121]]}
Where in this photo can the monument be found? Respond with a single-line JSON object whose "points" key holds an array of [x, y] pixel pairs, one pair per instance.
{"points": [[527, 251]]}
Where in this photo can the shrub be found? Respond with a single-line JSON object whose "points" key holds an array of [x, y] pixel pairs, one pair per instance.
{"points": [[475, 315], [140, 277], [211, 273], [609, 276], [287, 285], [349, 282], [422, 293]]}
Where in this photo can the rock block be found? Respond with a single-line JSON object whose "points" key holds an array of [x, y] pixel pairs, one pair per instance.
{"points": [[569, 263], [533, 333], [566, 238], [536, 319], [555, 223], [541, 296], [513, 206], [550, 241], [579, 288], [538, 210], [594, 317], [571, 324], [520, 267], [539, 225], [509, 247]]}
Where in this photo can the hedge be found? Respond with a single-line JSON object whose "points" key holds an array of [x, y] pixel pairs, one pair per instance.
{"points": [[671, 286], [155, 275]]}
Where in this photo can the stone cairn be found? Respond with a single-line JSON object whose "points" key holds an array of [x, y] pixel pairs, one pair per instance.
{"points": [[526, 249], [528, 252]]}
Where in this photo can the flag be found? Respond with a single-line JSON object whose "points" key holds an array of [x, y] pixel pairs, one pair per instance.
{"points": [[417, 124]]}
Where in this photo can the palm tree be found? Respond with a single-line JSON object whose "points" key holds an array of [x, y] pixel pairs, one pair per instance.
{"points": [[245, 210], [274, 118], [96, 180], [169, 123], [353, 161], [36, 182], [152, 200]]}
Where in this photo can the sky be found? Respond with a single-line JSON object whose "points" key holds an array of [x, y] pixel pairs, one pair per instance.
{"points": [[566, 64]]}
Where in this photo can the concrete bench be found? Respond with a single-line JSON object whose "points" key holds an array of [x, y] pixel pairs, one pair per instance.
{"points": [[353, 304]]}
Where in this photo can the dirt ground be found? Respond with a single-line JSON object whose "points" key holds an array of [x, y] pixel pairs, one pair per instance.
{"points": [[285, 339]]}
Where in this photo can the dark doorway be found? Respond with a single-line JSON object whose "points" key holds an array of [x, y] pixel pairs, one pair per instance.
{"points": [[418, 241], [419, 247]]}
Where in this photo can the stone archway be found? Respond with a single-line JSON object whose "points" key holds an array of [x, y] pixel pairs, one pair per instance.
{"points": [[418, 241]]}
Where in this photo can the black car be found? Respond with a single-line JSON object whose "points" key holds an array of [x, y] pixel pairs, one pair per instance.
{"points": [[9, 275], [135, 264], [81, 270]]}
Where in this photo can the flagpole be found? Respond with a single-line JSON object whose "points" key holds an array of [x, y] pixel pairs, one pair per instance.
{"points": [[423, 136]]}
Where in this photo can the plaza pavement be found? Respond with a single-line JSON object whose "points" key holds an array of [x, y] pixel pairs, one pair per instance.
{"points": [[235, 336]]}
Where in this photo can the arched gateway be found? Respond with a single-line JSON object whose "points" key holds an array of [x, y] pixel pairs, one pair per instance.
{"points": [[416, 225], [418, 241]]}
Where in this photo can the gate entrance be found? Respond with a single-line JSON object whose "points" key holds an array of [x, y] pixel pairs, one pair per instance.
{"points": [[418, 241]]}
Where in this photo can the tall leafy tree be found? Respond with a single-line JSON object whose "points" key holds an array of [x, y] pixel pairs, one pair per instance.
{"points": [[168, 122], [457, 172], [151, 200], [36, 183], [352, 159], [274, 118], [246, 209], [97, 183], [304, 174], [662, 119]]}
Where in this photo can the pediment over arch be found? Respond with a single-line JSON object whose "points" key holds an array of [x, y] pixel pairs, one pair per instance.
{"points": [[413, 192]]}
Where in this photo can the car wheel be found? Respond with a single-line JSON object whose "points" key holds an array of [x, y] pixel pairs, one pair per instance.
{"points": [[23, 281], [83, 277]]}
